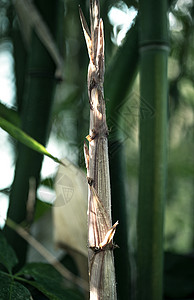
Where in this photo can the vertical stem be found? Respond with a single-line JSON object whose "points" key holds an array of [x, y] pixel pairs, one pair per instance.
{"points": [[153, 147], [35, 114], [123, 78], [100, 232]]}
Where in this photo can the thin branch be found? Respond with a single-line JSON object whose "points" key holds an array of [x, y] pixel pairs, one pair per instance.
{"points": [[47, 255]]}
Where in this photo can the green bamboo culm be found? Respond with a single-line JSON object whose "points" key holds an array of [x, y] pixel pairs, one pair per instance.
{"points": [[36, 108], [153, 49], [127, 55]]}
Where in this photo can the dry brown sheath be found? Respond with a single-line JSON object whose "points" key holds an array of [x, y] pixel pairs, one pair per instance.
{"points": [[100, 229]]}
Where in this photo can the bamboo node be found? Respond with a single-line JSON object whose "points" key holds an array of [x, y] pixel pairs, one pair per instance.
{"points": [[90, 180], [93, 136], [108, 247], [107, 243]]}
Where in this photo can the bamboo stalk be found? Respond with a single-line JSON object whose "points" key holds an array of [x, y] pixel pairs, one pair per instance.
{"points": [[153, 147], [123, 79], [35, 119], [100, 232]]}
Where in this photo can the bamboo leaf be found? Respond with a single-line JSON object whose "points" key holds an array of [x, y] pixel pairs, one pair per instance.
{"points": [[56, 293], [49, 281], [25, 139], [7, 255], [12, 290], [9, 114]]}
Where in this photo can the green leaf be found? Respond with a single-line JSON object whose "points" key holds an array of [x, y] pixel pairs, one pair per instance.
{"points": [[11, 290], [57, 292], [25, 139], [8, 257], [9, 114], [49, 282]]}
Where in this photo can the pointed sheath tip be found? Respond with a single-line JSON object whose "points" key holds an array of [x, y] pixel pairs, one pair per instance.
{"points": [[80, 10], [86, 156], [109, 236], [89, 138], [115, 224], [83, 22], [87, 34], [81, 15]]}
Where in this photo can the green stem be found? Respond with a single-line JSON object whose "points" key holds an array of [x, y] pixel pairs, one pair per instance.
{"points": [[153, 147], [118, 81], [36, 110]]}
